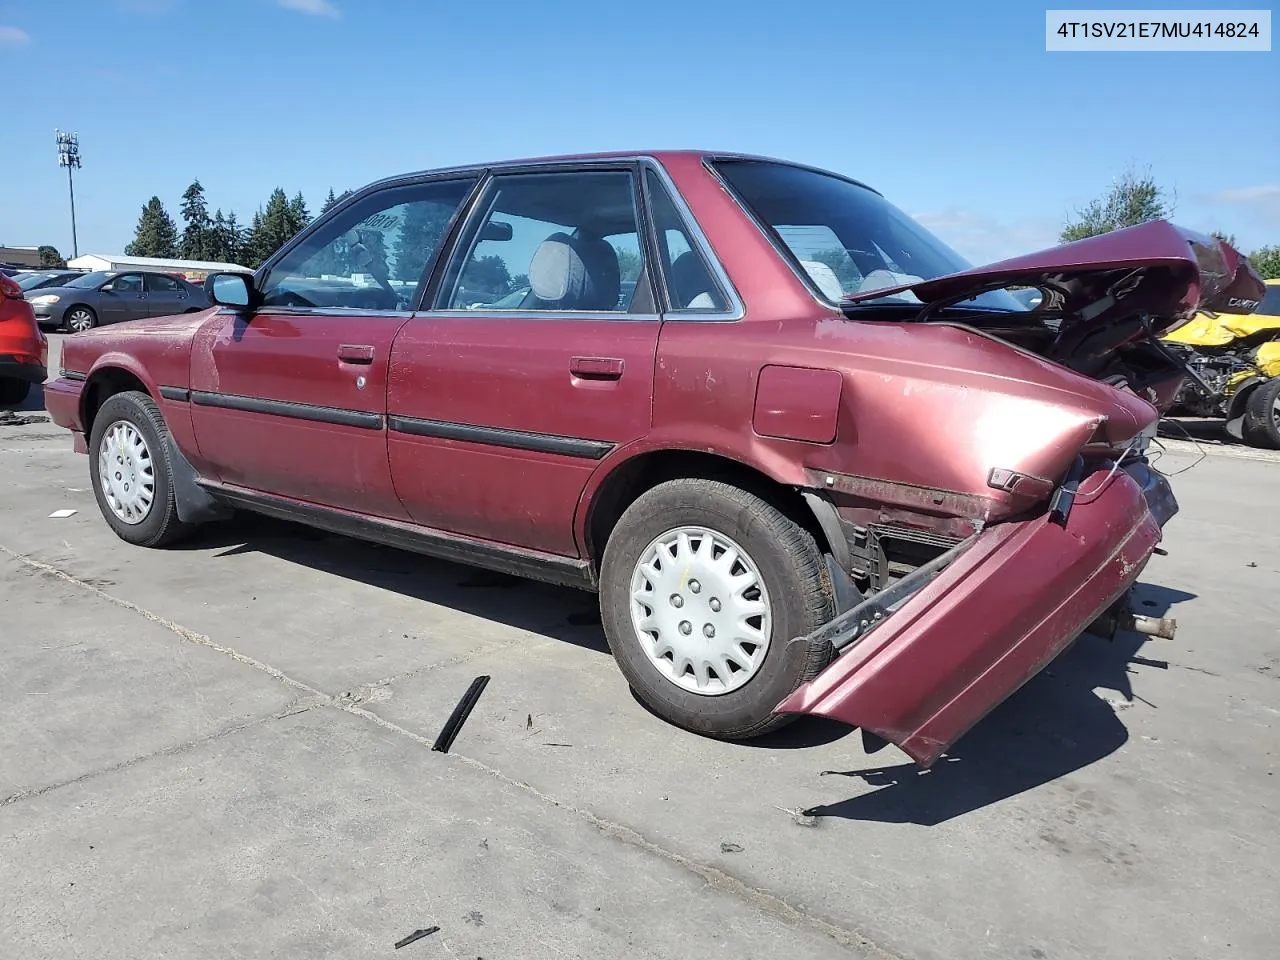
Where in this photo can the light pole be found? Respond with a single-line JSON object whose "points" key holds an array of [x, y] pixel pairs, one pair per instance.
{"points": [[69, 157]]}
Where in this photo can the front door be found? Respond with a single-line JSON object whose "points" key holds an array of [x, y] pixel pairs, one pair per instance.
{"points": [[123, 297], [291, 399], [534, 362]]}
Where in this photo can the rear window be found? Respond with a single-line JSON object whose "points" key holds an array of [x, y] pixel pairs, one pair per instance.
{"points": [[845, 237]]}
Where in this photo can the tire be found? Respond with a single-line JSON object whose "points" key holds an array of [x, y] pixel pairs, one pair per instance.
{"points": [[79, 319], [1262, 416], [796, 592], [13, 391], [122, 417]]}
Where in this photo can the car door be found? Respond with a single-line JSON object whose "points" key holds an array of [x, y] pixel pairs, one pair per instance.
{"points": [[165, 295], [290, 399], [503, 402], [123, 297]]}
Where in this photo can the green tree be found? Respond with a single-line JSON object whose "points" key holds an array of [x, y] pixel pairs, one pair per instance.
{"points": [[233, 239], [156, 235], [1227, 238], [1133, 199], [421, 231], [197, 237], [1266, 260], [488, 274], [329, 201], [50, 257], [299, 215], [272, 227], [628, 263]]}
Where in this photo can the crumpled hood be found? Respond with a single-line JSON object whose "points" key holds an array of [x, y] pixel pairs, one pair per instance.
{"points": [[1158, 269]]}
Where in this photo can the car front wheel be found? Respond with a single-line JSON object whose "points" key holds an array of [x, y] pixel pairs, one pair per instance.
{"points": [[704, 590], [130, 471]]}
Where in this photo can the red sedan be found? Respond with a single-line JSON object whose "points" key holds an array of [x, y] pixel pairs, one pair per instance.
{"points": [[810, 460], [24, 349]]}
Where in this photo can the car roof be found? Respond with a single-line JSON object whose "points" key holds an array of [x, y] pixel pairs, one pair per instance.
{"points": [[661, 156]]}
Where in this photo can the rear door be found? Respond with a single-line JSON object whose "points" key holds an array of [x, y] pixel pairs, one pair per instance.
{"points": [[123, 297], [533, 362], [165, 295], [291, 399]]}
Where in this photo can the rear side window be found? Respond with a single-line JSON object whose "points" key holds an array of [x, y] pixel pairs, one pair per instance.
{"points": [[158, 283], [543, 242], [689, 282]]}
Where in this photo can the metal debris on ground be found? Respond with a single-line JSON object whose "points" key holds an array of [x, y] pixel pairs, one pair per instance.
{"points": [[9, 418], [459, 715], [730, 848], [61, 514], [416, 935]]}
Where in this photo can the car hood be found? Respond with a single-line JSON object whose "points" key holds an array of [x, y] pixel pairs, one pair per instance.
{"points": [[1157, 269], [61, 292]]}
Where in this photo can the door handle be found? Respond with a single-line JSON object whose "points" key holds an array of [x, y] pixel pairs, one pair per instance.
{"points": [[596, 368], [355, 353]]}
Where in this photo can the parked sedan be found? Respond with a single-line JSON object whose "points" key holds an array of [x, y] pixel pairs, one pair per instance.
{"points": [[102, 297], [24, 350], [37, 279], [813, 464]]}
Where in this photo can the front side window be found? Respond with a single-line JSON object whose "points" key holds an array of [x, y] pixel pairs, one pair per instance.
{"points": [[126, 283], [372, 255], [847, 238], [550, 241]]}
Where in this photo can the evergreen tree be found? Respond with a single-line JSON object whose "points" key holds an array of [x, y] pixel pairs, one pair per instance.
{"points": [[420, 232], [299, 216], [254, 242], [272, 227], [156, 234], [197, 236], [329, 201], [233, 239]]}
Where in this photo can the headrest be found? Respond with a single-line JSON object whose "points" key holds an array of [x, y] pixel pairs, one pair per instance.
{"points": [[575, 273], [824, 278]]}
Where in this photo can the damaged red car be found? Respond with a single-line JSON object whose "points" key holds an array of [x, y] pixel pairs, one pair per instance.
{"points": [[810, 460]]}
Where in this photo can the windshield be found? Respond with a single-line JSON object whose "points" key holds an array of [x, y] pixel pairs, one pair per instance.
{"points": [[95, 279], [847, 238]]}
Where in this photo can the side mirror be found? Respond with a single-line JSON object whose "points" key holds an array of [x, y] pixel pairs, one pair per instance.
{"points": [[234, 290]]}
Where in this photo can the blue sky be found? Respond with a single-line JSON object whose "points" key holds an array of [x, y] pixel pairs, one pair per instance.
{"points": [[954, 110]]}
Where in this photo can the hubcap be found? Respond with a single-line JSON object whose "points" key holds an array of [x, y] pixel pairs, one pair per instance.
{"points": [[126, 473], [80, 321], [701, 611], [1275, 411]]}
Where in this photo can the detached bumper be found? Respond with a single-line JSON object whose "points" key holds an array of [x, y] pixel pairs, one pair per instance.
{"points": [[993, 619]]}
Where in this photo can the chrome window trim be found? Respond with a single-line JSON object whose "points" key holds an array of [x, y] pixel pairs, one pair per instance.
{"points": [[613, 316], [737, 310]]}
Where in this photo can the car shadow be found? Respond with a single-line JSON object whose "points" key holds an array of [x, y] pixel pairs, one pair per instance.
{"points": [[1052, 726], [560, 613], [34, 403]]}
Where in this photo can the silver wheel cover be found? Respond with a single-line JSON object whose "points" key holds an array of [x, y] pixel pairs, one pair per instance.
{"points": [[700, 610], [126, 472]]}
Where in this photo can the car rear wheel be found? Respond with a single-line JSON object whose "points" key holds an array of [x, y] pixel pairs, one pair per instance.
{"points": [[80, 319], [704, 589], [13, 391], [129, 449], [1262, 416]]}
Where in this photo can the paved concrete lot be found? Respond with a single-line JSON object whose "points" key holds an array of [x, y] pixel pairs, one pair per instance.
{"points": [[223, 750]]}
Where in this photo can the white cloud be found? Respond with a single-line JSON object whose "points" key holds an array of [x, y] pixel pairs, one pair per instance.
{"points": [[12, 36], [317, 8], [1262, 201], [981, 238]]}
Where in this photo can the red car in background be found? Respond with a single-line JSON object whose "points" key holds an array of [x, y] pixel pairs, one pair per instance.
{"points": [[811, 461], [24, 349]]}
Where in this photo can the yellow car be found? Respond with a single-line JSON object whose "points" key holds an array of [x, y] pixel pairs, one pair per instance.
{"points": [[1236, 358]]}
